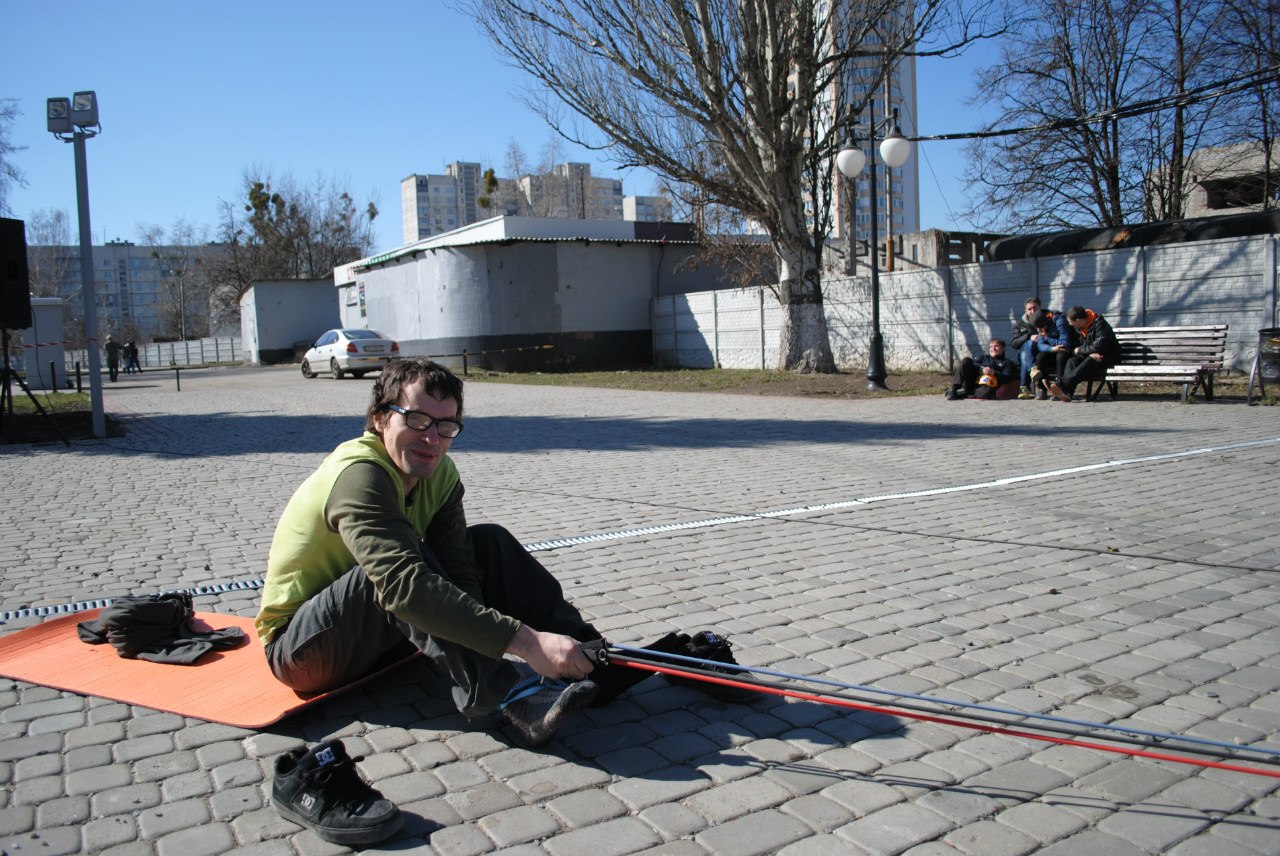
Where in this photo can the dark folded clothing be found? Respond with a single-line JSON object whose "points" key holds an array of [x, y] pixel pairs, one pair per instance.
{"points": [[157, 628]]}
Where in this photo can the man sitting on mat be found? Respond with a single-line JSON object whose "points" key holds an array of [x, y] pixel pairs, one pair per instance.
{"points": [[373, 557]]}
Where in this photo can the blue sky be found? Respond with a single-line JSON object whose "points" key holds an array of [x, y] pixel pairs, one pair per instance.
{"points": [[193, 94]]}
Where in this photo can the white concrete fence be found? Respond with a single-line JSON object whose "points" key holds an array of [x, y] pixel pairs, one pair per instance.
{"points": [[929, 318], [211, 350]]}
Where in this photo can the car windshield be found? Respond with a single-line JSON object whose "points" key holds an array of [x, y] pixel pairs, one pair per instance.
{"points": [[363, 334]]}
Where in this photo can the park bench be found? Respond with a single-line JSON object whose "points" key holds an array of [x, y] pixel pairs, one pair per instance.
{"points": [[1183, 355]]}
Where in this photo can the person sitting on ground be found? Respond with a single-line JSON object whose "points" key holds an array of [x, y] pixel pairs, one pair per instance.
{"points": [[373, 557], [1098, 351], [1055, 341], [992, 375], [1023, 342]]}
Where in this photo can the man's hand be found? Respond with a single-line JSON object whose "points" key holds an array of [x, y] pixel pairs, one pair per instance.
{"points": [[550, 654], [1097, 357]]}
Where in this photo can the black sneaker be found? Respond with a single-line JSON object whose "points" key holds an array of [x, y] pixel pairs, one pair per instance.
{"points": [[705, 645], [322, 790], [536, 707]]}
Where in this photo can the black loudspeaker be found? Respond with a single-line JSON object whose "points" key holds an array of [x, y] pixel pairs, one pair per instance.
{"points": [[15, 280]]}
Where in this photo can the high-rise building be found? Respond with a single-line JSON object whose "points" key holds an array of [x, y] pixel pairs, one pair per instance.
{"points": [[432, 204], [898, 195]]}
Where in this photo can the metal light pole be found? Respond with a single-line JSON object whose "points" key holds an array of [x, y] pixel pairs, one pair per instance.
{"points": [[74, 120], [894, 151]]}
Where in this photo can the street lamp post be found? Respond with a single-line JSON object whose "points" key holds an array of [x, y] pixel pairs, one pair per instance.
{"points": [[74, 120], [894, 151]]}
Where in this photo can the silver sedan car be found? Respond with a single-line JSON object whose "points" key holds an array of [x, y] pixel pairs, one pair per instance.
{"points": [[349, 351]]}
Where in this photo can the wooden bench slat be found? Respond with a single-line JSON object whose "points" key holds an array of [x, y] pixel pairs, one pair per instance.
{"points": [[1185, 355]]}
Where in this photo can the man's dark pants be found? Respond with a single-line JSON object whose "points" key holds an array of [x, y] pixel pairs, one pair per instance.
{"points": [[341, 634], [1080, 369]]}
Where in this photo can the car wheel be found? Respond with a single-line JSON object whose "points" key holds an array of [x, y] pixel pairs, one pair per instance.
{"points": [[333, 367], [306, 370]]}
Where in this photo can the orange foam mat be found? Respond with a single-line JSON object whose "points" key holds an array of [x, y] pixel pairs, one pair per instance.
{"points": [[232, 687]]}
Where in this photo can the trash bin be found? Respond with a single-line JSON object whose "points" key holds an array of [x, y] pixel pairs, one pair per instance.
{"points": [[1269, 354]]}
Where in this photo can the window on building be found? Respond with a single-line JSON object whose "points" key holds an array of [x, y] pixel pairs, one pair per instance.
{"points": [[1237, 192]]}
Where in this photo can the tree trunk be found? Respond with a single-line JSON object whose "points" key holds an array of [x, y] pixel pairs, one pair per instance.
{"points": [[804, 345]]}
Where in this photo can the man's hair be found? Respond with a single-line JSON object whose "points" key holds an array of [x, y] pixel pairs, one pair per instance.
{"points": [[994, 339], [1076, 313], [1042, 320], [401, 375], [1034, 300]]}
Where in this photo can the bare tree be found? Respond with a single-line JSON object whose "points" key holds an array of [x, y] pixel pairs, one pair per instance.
{"points": [[281, 230], [1252, 35], [181, 305], [10, 175], [49, 251], [730, 96], [1076, 58], [1101, 61]]}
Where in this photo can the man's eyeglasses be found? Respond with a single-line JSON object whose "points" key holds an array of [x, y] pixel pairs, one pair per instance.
{"points": [[419, 421]]}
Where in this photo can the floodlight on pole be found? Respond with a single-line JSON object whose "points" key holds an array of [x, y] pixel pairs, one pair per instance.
{"points": [[74, 120]]}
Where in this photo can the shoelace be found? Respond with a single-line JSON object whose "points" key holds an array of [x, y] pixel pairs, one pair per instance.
{"points": [[342, 780], [531, 686]]}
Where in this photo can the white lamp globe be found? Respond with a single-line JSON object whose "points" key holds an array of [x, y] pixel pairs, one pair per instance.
{"points": [[895, 149], [850, 162]]}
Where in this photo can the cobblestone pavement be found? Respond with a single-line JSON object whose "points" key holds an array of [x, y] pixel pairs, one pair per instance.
{"points": [[1113, 561]]}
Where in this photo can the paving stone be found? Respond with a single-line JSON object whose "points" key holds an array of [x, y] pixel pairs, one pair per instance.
{"points": [[519, 825], [17, 819], [261, 825], [760, 832], [38, 791], [673, 820], [465, 840], [55, 841], [895, 829], [36, 767], [732, 800], [461, 775], [479, 801], [106, 832], [669, 785], [555, 781], [1043, 823], [817, 812], [987, 838], [1091, 841], [211, 839], [585, 808], [230, 804], [171, 817], [1153, 833]]}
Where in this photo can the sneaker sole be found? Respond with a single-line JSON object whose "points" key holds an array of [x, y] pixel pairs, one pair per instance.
{"points": [[338, 835]]}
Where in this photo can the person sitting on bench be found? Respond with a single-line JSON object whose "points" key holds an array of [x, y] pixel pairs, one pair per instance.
{"points": [[1098, 351], [1055, 341]]}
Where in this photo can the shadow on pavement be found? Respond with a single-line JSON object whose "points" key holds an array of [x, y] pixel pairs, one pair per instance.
{"points": [[247, 433]]}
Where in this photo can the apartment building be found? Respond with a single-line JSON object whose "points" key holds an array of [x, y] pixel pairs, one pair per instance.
{"points": [[434, 204], [140, 289]]}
